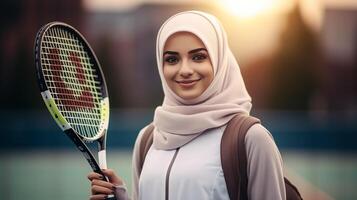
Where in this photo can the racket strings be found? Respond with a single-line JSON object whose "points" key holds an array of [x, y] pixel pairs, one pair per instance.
{"points": [[72, 80]]}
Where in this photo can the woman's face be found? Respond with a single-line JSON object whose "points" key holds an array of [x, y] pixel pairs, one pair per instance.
{"points": [[187, 66]]}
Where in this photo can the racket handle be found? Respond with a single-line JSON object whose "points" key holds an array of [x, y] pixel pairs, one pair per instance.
{"points": [[110, 197], [102, 157]]}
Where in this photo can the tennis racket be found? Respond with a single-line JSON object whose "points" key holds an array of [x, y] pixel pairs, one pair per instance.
{"points": [[73, 88]]}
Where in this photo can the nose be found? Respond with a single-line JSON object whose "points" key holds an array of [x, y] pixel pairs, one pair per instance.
{"points": [[185, 69]]}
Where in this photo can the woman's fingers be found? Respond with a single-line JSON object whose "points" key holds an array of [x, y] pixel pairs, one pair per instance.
{"points": [[97, 189], [113, 178], [102, 183], [100, 188], [94, 175]]}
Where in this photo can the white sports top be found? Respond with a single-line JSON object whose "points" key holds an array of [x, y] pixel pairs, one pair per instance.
{"points": [[194, 171]]}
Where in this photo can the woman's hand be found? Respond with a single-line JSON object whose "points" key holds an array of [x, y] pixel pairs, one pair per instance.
{"points": [[101, 189]]}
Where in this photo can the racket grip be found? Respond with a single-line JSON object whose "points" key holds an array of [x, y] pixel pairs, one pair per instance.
{"points": [[102, 159], [110, 197]]}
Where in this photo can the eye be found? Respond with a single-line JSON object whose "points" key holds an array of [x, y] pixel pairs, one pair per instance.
{"points": [[171, 60], [200, 57]]}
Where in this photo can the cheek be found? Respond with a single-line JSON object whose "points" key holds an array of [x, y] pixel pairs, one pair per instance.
{"points": [[169, 73], [207, 71]]}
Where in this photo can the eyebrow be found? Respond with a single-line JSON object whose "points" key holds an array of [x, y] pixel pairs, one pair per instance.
{"points": [[190, 52], [171, 52], [197, 50]]}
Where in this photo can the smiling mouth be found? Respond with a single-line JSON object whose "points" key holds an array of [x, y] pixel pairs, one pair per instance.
{"points": [[187, 83]]}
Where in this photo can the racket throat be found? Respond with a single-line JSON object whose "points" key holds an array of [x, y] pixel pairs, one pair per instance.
{"points": [[84, 149]]}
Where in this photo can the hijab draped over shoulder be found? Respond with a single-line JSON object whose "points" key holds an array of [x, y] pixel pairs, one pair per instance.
{"points": [[178, 121]]}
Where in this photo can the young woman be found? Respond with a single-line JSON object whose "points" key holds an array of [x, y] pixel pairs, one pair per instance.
{"points": [[203, 90]]}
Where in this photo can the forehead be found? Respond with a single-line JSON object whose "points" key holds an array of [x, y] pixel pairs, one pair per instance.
{"points": [[183, 41]]}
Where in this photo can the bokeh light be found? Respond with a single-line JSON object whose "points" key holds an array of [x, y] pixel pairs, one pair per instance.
{"points": [[247, 9]]}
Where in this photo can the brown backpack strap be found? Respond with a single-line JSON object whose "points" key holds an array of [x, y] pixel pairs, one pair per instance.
{"points": [[145, 144], [235, 166], [248, 122]]}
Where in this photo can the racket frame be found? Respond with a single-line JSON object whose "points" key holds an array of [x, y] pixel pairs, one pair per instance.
{"points": [[75, 137]]}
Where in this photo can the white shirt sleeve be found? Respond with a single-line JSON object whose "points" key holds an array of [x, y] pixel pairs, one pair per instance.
{"points": [[265, 168]]}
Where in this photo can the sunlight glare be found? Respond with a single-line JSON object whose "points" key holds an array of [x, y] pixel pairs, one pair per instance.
{"points": [[248, 8]]}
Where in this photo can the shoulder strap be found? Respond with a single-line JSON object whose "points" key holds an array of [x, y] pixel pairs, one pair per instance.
{"points": [[145, 144], [235, 166]]}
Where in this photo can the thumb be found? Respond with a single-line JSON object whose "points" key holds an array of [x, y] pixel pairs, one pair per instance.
{"points": [[113, 178]]}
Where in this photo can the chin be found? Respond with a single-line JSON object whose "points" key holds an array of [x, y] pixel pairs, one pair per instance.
{"points": [[188, 96]]}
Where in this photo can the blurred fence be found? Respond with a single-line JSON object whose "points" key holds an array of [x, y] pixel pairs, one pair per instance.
{"points": [[37, 161], [291, 130]]}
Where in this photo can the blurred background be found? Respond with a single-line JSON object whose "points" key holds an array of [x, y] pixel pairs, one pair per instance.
{"points": [[298, 59]]}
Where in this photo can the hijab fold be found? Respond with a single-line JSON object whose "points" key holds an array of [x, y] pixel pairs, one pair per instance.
{"points": [[178, 120]]}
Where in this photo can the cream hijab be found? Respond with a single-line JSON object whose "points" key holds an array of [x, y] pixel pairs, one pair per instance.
{"points": [[178, 121]]}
